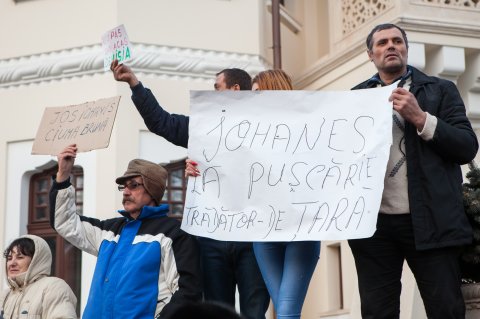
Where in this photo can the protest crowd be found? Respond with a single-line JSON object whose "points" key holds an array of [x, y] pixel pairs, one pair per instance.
{"points": [[149, 266]]}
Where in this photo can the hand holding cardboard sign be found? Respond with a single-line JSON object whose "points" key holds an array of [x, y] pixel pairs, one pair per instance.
{"points": [[66, 159]]}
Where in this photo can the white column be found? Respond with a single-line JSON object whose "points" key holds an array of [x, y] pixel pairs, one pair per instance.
{"points": [[416, 55], [446, 62], [469, 85]]}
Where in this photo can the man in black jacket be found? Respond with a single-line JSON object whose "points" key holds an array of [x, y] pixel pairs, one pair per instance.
{"points": [[225, 264], [421, 217]]}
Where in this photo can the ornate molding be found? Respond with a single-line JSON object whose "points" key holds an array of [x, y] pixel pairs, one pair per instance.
{"points": [[462, 4], [358, 12], [159, 60], [430, 25]]}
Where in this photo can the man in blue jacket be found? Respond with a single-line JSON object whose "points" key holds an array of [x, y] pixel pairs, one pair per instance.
{"points": [[421, 217], [225, 264], [147, 267]]}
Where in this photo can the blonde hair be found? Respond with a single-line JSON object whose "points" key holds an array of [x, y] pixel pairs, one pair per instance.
{"points": [[273, 80]]}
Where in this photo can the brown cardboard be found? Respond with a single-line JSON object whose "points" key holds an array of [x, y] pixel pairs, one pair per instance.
{"points": [[89, 125]]}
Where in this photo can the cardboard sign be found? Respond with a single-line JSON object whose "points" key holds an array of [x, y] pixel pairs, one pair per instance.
{"points": [[89, 125], [287, 165], [116, 46]]}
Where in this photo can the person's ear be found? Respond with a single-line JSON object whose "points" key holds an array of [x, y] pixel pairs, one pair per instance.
{"points": [[235, 87], [370, 55]]}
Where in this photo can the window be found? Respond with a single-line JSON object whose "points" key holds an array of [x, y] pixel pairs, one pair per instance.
{"points": [[176, 188], [66, 259]]}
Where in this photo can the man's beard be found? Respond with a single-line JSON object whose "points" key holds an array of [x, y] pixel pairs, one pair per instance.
{"points": [[394, 68]]}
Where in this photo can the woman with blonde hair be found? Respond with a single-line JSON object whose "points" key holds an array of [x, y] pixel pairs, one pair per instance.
{"points": [[272, 80], [286, 267]]}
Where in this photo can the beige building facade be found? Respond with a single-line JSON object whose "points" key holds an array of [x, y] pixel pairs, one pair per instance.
{"points": [[51, 56]]}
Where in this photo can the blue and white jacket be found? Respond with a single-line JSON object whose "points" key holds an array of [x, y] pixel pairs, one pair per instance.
{"points": [[146, 267]]}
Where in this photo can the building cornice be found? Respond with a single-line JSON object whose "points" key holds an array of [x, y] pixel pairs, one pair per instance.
{"points": [[163, 61], [432, 26]]}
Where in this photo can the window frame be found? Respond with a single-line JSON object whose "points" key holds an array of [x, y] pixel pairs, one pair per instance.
{"points": [[66, 265], [177, 166]]}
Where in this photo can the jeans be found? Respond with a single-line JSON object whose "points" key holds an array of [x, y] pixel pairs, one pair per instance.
{"points": [[379, 261], [227, 264], [287, 268]]}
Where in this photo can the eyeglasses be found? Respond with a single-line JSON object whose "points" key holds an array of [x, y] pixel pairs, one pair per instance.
{"points": [[131, 186]]}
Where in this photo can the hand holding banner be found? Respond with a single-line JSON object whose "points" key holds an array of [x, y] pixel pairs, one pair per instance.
{"points": [[287, 165]]}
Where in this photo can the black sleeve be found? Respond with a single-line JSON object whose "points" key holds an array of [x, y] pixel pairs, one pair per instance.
{"points": [[53, 197], [454, 139], [172, 127], [187, 258]]}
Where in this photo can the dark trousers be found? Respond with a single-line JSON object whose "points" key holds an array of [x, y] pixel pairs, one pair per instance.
{"points": [[379, 261], [227, 264]]}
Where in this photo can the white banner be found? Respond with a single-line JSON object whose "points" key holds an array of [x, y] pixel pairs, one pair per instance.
{"points": [[287, 165]]}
